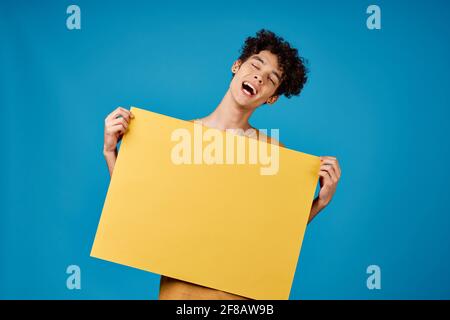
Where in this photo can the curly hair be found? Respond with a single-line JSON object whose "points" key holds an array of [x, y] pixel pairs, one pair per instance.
{"points": [[292, 65]]}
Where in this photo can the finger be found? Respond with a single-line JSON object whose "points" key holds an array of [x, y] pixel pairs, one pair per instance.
{"points": [[326, 177], [128, 112], [329, 168], [117, 114], [338, 167], [333, 166], [118, 121], [117, 129], [119, 111], [334, 162], [112, 114]]}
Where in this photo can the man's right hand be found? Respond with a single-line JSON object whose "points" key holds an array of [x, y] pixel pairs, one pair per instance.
{"points": [[116, 124]]}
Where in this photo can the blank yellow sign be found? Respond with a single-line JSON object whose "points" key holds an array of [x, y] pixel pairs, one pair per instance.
{"points": [[224, 226]]}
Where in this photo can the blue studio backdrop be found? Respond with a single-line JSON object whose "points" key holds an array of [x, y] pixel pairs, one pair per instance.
{"points": [[376, 99]]}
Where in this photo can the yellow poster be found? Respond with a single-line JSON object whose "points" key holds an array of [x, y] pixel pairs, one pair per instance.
{"points": [[206, 206]]}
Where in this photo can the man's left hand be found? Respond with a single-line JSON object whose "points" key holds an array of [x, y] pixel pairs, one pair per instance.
{"points": [[329, 173]]}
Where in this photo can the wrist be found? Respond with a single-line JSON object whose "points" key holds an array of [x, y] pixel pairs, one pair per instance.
{"points": [[108, 151], [320, 204]]}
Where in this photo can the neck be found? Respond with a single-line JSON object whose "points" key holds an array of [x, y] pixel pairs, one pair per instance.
{"points": [[228, 115]]}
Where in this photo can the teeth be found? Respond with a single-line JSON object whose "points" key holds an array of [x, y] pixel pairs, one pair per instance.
{"points": [[250, 85], [247, 92]]}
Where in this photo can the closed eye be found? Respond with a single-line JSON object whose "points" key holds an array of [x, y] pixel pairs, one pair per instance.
{"points": [[271, 80]]}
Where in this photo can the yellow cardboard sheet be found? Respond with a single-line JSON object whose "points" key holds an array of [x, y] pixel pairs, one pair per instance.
{"points": [[224, 226]]}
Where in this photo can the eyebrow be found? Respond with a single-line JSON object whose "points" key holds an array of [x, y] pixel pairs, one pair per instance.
{"points": [[263, 62]]}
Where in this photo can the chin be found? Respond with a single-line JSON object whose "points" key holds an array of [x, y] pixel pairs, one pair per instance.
{"points": [[242, 102]]}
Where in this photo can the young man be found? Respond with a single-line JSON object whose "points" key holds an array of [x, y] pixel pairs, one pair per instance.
{"points": [[267, 68]]}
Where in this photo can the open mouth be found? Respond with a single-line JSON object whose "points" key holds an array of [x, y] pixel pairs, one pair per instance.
{"points": [[248, 89]]}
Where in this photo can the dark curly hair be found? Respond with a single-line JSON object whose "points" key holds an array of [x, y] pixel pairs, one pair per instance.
{"points": [[292, 65]]}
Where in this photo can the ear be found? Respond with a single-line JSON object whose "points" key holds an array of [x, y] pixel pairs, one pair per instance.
{"points": [[236, 65], [272, 99]]}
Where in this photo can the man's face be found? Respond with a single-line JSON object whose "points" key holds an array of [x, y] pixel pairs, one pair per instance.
{"points": [[256, 80]]}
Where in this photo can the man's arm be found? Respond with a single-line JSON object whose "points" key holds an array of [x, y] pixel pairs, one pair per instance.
{"points": [[329, 174], [110, 157], [315, 209]]}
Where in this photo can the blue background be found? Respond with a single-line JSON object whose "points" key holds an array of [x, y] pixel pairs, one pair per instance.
{"points": [[378, 100]]}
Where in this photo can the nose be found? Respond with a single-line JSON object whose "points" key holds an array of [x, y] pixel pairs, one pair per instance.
{"points": [[258, 78]]}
